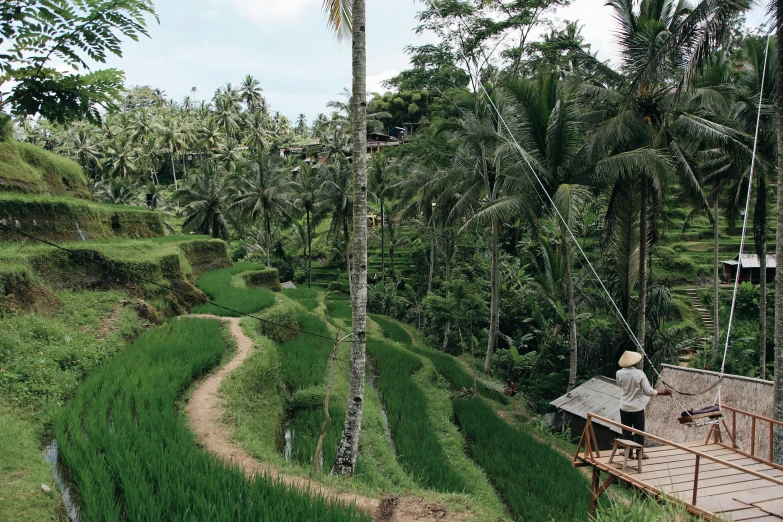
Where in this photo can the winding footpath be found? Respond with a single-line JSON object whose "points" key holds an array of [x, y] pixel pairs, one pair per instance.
{"points": [[205, 411]]}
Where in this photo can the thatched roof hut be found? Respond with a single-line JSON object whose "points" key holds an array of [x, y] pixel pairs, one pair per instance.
{"points": [[744, 393]]}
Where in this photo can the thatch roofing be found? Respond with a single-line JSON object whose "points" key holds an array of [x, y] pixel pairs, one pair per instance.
{"points": [[744, 393], [599, 395]]}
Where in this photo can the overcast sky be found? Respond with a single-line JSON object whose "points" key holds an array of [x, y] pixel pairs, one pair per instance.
{"points": [[286, 46]]}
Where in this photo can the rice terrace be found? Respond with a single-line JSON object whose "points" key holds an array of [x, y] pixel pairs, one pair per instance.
{"points": [[436, 261]]}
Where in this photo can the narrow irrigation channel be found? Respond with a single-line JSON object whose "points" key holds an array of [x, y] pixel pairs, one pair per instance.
{"points": [[374, 374], [52, 456]]}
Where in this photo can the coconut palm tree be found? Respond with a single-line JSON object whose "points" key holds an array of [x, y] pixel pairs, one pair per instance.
{"points": [[207, 197], [85, 150], [262, 192], [550, 135], [382, 177], [258, 133], [305, 187], [119, 158], [250, 92], [479, 167], [172, 138], [227, 112], [335, 199]]}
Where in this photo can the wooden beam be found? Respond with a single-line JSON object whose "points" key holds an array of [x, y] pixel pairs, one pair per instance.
{"points": [[689, 450]]}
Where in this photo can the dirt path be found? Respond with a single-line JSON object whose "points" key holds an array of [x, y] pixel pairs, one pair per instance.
{"points": [[205, 411]]}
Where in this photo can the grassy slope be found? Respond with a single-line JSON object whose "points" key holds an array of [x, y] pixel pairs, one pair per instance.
{"points": [[43, 361], [29, 168], [22, 471]]}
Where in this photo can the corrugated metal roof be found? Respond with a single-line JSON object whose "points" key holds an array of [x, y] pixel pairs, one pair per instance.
{"points": [[598, 395], [752, 261]]}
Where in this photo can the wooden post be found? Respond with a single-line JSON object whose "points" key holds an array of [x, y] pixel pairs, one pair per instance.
{"points": [[771, 442], [319, 447], [696, 480], [594, 492], [753, 435], [734, 427]]}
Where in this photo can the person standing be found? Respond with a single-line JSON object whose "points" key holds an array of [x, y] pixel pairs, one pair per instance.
{"points": [[636, 393]]}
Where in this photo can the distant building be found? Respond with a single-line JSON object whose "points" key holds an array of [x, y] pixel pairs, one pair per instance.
{"points": [[750, 269], [599, 395]]}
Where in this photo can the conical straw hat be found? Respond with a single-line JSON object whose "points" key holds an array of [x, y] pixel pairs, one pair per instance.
{"points": [[630, 359]]}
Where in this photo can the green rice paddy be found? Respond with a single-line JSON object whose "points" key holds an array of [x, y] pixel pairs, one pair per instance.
{"points": [[132, 457], [217, 284]]}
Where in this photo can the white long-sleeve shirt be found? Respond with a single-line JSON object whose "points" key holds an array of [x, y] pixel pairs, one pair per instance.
{"points": [[636, 389]]}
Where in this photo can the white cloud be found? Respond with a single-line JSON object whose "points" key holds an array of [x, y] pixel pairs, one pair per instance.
{"points": [[212, 13], [375, 81], [262, 12]]}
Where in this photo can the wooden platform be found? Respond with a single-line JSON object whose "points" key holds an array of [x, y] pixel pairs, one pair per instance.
{"points": [[709, 478]]}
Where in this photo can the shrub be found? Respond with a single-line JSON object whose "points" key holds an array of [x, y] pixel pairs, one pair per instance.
{"points": [[217, 284], [148, 466], [536, 482], [279, 324]]}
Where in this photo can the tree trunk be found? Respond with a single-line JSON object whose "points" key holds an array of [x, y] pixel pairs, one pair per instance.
{"points": [[346, 247], [309, 253], [760, 240], [494, 314], [763, 310], [572, 339], [432, 261], [383, 245], [391, 260], [778, 387], [643, 236], [268, 237], [173, 169], [716, 296], [349, 446], [449, 247]]}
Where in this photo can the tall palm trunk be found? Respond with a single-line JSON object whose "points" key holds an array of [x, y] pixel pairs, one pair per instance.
{"points": [[494, 313], [760, 239], [432, 261], [268, 230], [173, 169], [349, 445], [572, 339], [641, 326], [309, 252], [383, 245], [346, 248], [778, 387], [716, 296]]}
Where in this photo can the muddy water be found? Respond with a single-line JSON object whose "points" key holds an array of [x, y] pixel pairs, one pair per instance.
{"points": [[51, 454]]}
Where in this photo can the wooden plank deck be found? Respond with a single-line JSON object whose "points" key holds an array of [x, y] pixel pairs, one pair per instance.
{"points": [[730, 493], [729, 484]]}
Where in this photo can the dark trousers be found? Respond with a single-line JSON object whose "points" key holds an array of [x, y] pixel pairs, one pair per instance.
{"points": [[634, 419]]}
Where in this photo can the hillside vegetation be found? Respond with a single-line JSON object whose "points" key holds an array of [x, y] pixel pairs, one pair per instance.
{"points": [[27, 168]]}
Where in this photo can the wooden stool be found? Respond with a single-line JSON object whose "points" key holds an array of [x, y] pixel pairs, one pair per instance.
{"points": [[629, 446]]}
